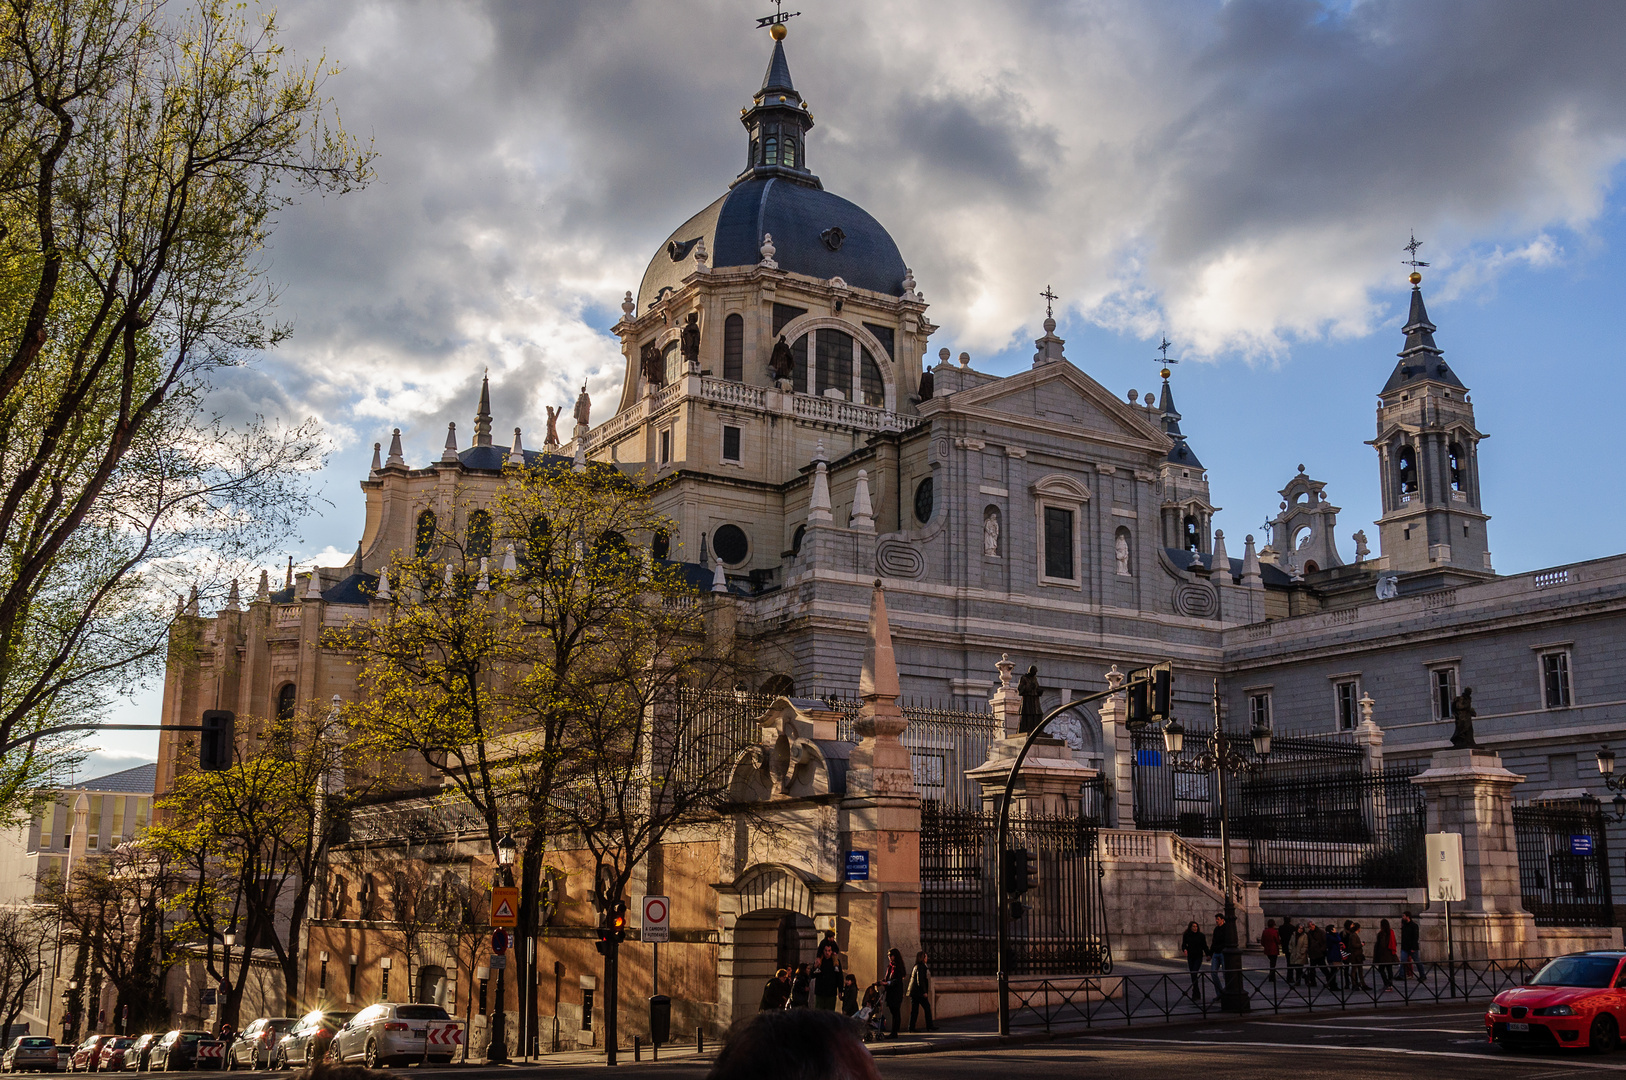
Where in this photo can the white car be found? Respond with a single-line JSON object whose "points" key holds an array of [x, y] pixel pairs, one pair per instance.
{"points": [[388, 1034]]}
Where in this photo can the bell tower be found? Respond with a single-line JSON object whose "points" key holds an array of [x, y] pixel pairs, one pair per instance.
{"points": [[1428, 458]]}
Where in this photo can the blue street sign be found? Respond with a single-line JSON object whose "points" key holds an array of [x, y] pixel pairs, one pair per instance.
{"points": [[857, 866], [1580, 845]]}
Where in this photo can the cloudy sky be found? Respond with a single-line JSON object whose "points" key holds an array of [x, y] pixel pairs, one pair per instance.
{"points": [[1241, 176]]}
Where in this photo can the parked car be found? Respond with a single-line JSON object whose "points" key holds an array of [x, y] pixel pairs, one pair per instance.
{"points": [[387, 1034], [112, 1056], [30, 1052], [64, 1056], [307, 1041], [136, 1057], [179, 1050], [255, 1044], [87, 1053], [1573, 1000]]}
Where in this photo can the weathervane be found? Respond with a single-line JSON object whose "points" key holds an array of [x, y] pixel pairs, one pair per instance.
{"points": [[1413, 262], [1165, 361], [776, 22], [1050, 299]]}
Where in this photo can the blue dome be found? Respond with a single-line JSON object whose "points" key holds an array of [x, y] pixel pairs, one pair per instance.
{"points": [[814, 233]]}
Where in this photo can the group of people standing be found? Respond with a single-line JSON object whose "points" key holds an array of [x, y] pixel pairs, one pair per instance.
{"points": [[831, 986], [1333, 953]]}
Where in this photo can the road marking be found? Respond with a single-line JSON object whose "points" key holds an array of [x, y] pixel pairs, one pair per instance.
{"points": [[1357, 1027], [1488, 1058]]}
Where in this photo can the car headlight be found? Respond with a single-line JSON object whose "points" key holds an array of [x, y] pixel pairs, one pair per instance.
{"points": [[1499, 1010], [1554, 1010]]}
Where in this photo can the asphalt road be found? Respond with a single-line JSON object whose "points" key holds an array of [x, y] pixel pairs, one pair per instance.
{"points": [[1438, 1044]]}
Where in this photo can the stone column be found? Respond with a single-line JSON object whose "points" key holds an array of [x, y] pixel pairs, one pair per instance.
{"points": [[1118, 754], [1469, 792], [1006, 702], [1369, 737]]}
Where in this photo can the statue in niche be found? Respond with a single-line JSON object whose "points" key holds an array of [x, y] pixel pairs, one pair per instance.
{"points": [[584, 408], [1030, 691], [689, 343], [990, 532], [1120, 551], [653, 365], [782, 362], [1462, 713], [553, 425]]}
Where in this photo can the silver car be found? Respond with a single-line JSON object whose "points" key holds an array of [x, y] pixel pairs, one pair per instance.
{"points": [[389, 1034], [30, 1052]]}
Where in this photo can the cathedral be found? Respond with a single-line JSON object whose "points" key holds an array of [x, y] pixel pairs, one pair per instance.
{"points": [[783, 404]]}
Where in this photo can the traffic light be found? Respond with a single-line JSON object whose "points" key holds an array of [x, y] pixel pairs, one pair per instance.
{"points": [[618, 921], [1150, 690], [214, 749], [1018, 872]]}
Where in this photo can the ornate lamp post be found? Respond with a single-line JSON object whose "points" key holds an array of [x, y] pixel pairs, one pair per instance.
{"points": [[1219, 759], [1606, 769], [224, 998], [497, 1051]]}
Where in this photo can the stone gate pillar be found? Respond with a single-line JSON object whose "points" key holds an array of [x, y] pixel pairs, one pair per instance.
{"points": [[1469, 792], [1051, 780], [1118, 755]]}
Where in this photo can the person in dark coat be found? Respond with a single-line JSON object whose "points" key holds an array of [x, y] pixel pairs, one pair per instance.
{"points": [[777, 991], [849, 995], [1224, 938], [800, 987], [920, 989], [1335, 953], [1411, 938], [1357, 956], [894, 979], [1271, 942], [1316, 953], [827, 976], [1384, 954], [1194, 944]]}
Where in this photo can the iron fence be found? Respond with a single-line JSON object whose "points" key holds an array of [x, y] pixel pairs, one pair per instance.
{"points": [[1063, 927], [1350, 830], [1088, 1002], [1564, 862]]}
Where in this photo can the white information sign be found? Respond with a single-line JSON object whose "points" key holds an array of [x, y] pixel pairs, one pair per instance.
{"points": [[1445, 876]]}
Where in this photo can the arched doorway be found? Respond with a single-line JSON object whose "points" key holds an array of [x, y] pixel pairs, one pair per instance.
{"points": [[772, 928], [431, 985]]}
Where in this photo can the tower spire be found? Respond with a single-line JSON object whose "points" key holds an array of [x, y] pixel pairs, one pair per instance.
{"points": [[482, 418], [777, 119]]}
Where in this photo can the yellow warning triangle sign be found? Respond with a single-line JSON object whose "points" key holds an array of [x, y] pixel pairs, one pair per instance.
{"points": [[504, 906], [503, 910]]}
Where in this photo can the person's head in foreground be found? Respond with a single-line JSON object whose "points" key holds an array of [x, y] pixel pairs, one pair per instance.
{"points": [[794, 1044]]}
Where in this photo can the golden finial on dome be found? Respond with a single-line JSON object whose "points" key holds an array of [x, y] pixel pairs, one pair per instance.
{"points": [[1416, 278], [1165, 373], [776, 22], [777, 31]]}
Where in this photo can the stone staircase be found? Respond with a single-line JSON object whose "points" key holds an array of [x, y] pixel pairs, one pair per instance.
{"points": [[1156, 883]]}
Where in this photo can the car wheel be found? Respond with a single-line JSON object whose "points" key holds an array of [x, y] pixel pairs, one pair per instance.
{"points": [[370, 1058], [1605, 1034]]}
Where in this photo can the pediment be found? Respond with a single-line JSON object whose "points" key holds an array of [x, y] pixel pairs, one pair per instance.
{"points": [[1061, 395]]}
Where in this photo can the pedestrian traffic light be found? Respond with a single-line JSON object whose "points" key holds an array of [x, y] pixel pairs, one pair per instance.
{"points": [[214, 749], [1150, 691], [1018, 874]]}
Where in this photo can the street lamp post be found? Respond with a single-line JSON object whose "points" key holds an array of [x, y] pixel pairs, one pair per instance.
{"points": [[223, 1000], [1219, 759], [497, 1050], [1606, 769]]}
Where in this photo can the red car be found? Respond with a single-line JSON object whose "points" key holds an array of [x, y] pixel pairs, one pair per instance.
{"points": [[88, 1053], [1575, 1000], [112, 1059]]}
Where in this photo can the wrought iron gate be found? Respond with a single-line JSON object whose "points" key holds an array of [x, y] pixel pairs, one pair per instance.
{"points": [[1564, 863], [1063, 930]]}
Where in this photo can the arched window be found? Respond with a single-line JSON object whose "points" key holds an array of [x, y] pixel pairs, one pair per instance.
{"points": [[833, 365], [425, 543], [479, 534], [789, 154], [287, 696], [1456, 454], [798, 352], [796, 539], [752, 160], [661, 545], [1406, 460], [669, 356], [1191, 535], [734, 348], [770, 150], [870, 382]]}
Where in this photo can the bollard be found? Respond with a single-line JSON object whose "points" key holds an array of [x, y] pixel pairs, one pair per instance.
{"points": [[637, 1049], [700, 1040]]}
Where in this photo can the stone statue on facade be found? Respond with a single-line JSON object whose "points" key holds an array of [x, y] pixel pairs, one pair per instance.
{"points": [[689, 343], [990, 532], [553, 425], [782, 362], [583, 411], [653, 365], [1462, 713], [1361, 550], [1030, 691], [927, 384], [1120, 551]]}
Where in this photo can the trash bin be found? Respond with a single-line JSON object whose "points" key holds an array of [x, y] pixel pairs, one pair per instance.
{"points": [[660, 1019]]}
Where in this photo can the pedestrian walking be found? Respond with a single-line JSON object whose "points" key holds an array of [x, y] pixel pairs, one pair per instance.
{"points": [[1298, 954], [776, 992], [894, 989], [1195, 947], [1334, 953], [1223, 936], [1316, 953], [920, 989], [1411, 936], [1271, 942], [849, 995], [800, 986], [1384, 953], [827, 975], [1356, 947]]}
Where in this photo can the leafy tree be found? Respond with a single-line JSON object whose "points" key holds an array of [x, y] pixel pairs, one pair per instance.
{"points": [[253, 842], [144, 155]]}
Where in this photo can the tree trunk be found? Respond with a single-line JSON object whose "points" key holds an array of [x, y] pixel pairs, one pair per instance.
{"points": [[529, 903]]}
